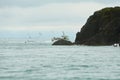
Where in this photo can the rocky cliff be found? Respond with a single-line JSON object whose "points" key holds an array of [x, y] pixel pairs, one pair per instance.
{"points": [[62, 42], [102, 28]]}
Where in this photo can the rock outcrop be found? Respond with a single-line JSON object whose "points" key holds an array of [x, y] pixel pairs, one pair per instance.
{"points": [[62, 42], [102, 28]]}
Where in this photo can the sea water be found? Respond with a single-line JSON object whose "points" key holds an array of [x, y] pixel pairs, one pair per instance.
{"points": [[42, 61]]}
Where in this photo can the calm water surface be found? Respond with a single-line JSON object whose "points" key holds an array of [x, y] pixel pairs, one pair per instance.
{"points": [[36, 61]]}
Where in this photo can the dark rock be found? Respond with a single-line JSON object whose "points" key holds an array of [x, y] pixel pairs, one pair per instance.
{"points": [[102, 28], [62, 42]]}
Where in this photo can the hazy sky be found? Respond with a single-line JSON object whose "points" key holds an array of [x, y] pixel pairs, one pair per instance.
{"points": [[19, 16]]}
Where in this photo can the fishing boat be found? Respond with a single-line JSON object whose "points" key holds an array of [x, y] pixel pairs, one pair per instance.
{"points": [[63, 40], [63, 37]]}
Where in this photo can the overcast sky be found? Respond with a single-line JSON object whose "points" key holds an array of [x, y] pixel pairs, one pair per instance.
{"points": [[48, 15]]}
